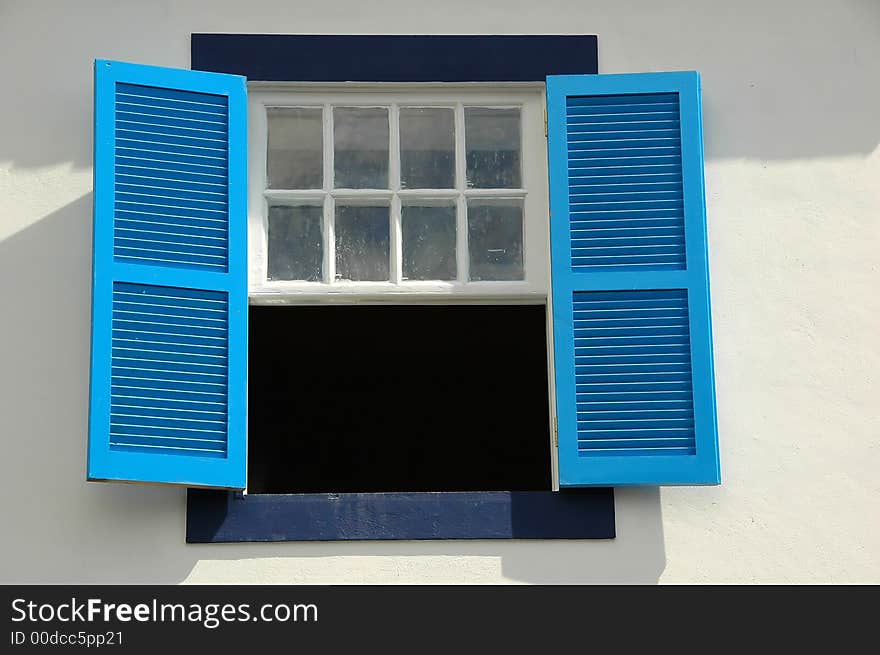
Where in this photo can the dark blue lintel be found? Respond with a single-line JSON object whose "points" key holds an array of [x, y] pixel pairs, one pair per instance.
{"points": [[395, 58], [220, 516]]}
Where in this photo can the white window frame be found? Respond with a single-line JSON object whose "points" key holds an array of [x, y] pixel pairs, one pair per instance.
{"points": [[533, 289], [530, 98]]}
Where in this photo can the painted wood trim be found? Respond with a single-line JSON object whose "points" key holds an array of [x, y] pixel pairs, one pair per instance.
{"points": [[533, 194], [395, 58], [104, 462], [703, 468], [217, 516]]}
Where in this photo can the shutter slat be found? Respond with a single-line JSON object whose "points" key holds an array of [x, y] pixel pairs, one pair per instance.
{"points": [[215, 194], [625, 100], [183, 395], [129, 120], [161, 107], [171, 175], [625, 112], [138, 220], [142, 310], [134, 161]]}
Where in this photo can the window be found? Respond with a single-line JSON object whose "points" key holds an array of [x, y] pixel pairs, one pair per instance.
{"points": [[403, 398], [408, 191], [412, 194], [628, 307]]}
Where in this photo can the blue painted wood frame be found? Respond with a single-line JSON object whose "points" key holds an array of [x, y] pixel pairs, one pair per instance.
{"points": [[576, 470], [105, 463], [395, 58], [230, 517]]}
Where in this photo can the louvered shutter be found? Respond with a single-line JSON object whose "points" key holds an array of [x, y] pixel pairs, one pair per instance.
{"points": [[631, 323], [169, 303]]}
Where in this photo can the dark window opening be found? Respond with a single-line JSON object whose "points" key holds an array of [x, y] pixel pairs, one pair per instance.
{"points": [[403, 398]]}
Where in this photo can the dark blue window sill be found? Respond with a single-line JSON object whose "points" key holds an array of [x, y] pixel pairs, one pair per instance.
{"points": [[220, 516]]}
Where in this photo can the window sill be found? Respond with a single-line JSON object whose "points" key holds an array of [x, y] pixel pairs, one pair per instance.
{"points": [[221, 516]]}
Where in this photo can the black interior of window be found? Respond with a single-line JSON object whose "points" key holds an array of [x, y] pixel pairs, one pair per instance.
{"points": [[398, 398]]}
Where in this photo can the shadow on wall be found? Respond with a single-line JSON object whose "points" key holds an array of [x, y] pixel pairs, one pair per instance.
{"points": [[65, 529], [637, 556], [58, 527]]}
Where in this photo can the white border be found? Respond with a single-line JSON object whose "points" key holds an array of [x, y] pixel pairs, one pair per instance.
{"points": [[534, 194]]}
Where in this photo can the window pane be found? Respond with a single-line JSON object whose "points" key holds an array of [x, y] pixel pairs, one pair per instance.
{"points": [[295, 157], [360, 140], [495, 239], [428, 243], [295, 245], [362, 242], [427, 148], [492, 141]]}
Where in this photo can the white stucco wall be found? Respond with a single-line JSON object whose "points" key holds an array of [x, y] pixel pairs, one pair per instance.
{"points": [[792, 124]]}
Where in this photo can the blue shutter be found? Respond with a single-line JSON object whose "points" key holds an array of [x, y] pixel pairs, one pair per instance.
{"points": [[169, 301], [632, 334]]}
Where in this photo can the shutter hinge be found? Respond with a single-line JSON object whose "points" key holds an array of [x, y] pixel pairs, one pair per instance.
{"points": [[545, 121], [555, 433]]}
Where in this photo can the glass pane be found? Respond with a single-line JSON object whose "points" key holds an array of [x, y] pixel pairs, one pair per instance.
{"points": [[428, 243], [360, 147], [362, 242], [295, 157], [492, 141], [295, 244], [427, 148], [495, 239]]}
